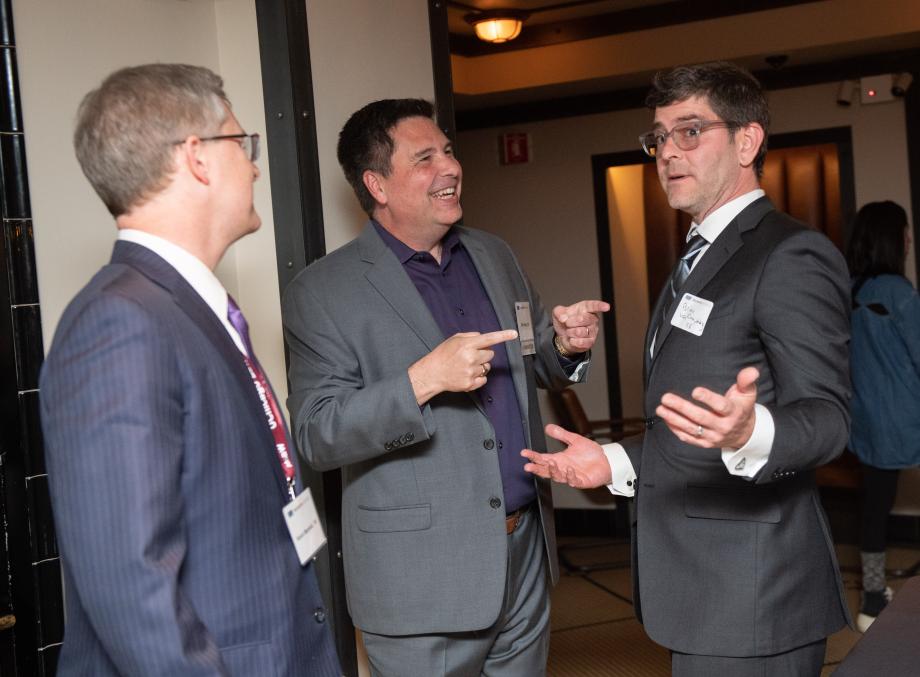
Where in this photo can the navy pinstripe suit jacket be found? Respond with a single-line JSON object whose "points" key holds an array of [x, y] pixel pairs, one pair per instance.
{"points": [[167, 492]]}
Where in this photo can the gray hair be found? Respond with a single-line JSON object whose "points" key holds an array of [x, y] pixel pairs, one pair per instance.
{"points": [[128, 127]]}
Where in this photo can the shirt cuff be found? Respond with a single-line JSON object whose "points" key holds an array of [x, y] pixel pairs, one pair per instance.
{"points": [[753, 456], [574, 369], [621, 470]]}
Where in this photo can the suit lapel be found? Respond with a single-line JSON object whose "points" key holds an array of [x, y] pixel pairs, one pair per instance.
{"points": [[500, 295], [726, 244], [158, 271], [387, 276]]}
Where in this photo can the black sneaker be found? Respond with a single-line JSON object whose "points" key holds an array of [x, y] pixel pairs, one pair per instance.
{"points": [[872, 605]]}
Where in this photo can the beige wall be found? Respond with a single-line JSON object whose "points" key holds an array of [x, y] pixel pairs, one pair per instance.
{"points": [[545, 209], [66, 49], [361, 51]]}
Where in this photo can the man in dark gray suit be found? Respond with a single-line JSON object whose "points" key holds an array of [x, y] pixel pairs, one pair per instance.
{"points": [[746, 371], [166, 450], [416, 351]]}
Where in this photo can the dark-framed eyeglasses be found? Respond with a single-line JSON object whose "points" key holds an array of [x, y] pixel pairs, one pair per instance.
{"points": [[686, 135], [248, 142]]}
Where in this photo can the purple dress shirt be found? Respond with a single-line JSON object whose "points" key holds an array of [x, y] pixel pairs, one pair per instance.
{"points": [[453, 292]]}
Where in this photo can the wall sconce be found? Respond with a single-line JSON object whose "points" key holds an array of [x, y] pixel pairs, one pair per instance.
{"points": [[497, 25], [845, 92], [900, 82]]}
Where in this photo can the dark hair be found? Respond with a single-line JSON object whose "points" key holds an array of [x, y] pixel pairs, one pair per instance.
{"points": [[733, 93], [365, 142], [876, 244]]}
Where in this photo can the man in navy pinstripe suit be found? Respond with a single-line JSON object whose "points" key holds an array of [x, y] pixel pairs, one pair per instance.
{"points": [[166, 484]]}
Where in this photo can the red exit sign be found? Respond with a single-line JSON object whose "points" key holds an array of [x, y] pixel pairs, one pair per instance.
{"points": [[515, 148]]}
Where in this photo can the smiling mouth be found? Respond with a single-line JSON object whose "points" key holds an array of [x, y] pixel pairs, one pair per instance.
{"points": [[445, 193]]}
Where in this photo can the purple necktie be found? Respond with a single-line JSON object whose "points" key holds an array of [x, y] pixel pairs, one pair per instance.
{"points": [[235, 315]]}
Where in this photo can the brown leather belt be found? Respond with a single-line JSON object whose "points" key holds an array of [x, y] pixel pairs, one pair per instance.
{"points": [[512, 520]]}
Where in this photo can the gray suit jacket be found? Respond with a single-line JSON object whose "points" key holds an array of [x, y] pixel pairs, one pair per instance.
{"points": [[424, 538], [167, 492], [729, 566]]}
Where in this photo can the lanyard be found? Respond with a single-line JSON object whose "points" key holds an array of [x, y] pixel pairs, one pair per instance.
{"points": [[275, 423]]}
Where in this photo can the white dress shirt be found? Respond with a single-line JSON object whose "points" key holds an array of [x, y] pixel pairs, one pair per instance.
{"points": [[749, 459], [193, 270]]}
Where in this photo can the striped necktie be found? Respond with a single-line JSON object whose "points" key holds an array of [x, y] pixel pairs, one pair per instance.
{"points": [[679, 276]]}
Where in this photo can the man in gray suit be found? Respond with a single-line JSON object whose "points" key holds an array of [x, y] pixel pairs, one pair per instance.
{"points": [[746, 373], [416, 351], [166, 450]]}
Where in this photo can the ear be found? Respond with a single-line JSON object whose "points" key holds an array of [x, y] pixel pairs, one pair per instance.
{"points": [[748, 140], [191, 156], [374, 184]]}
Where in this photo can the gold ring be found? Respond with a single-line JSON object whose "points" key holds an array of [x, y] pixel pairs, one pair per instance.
{"points": [[485, 369], [699, 431]]}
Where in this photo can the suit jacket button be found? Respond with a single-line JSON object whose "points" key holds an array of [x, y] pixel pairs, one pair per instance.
{"points": [[319, 614], [495, 502], [388, 446], [489, 444], [409, 437]]}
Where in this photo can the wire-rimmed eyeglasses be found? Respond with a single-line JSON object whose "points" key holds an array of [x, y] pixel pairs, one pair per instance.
{"points": [[686, 135], [248, 142]]}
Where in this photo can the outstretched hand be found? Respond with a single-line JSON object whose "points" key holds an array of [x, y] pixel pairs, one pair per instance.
{"points": [[724, 421], [577, 325], [582, 464]]}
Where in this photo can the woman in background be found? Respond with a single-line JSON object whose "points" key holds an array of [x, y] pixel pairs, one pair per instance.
{"points": [[885, 363]]}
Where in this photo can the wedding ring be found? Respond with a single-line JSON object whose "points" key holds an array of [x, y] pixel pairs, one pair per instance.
{"points": [[485, 369], [699, 431]]}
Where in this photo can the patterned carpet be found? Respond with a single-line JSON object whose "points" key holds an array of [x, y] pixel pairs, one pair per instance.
{"points": [[594, 632]]}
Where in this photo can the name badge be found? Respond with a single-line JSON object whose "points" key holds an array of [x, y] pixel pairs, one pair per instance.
{"points": [[691, 314], [303, 523], [525, 327]]}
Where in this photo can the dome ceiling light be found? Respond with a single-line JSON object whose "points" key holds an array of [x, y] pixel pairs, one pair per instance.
{"points": [[497, 25]]}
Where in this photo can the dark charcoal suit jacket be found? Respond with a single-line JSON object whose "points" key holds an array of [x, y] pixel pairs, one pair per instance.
{"points": [[730, 566]]}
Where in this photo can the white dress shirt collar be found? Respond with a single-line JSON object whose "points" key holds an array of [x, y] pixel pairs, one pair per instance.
{"points": [[201, 278], [713, 225]]}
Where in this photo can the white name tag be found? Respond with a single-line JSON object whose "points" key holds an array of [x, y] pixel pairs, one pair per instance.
{"points": [[304, 525], [692, 313], [525, 327]]}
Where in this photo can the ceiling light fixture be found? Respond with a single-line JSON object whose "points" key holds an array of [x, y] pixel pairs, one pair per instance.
{"points": [[497, 25]]}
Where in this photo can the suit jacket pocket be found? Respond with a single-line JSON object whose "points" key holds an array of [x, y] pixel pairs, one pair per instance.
{"points": [[399, 518], [754, 504], [244, 660]]}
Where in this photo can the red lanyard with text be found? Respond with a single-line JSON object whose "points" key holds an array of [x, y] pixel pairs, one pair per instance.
{"points": [[275, 423]]}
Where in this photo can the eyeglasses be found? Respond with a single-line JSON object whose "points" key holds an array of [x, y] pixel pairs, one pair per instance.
{"points": [[686, 135], [248, 142]]}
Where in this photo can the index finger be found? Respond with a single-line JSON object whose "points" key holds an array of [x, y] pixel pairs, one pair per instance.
{"points": [[494, 337], [562, 313], [595, 306]]}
